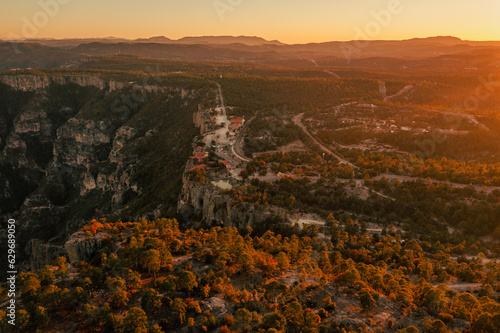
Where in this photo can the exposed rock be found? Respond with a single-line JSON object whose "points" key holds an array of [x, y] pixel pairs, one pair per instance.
{"points": [[88, 183], [81, 142], [79, 247], [60, 169], [43, 253], [113, 85], [122, 136], [460, 325], [213, 206], [35, 82], [26, 82], [216, 306]]}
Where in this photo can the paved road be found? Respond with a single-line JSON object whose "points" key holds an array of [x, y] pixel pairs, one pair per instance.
{"points": [[455, 114], [236, 148], [335, 75], [222, 105]]}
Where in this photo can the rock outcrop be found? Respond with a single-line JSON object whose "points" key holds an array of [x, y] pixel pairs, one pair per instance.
{"points": [[66, 158], [80, 247], [35, 82], [43, 253], [209, 204], [216, 306]]}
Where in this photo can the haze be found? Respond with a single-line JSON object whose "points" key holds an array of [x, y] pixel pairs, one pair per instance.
{"points": [[290, 21]]}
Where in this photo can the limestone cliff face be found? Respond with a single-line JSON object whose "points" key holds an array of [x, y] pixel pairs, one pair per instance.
{"points": [[35, 82], [26, 82], [65, 159], [83, 248], [207, 203], [43, 253], [77, 138]]}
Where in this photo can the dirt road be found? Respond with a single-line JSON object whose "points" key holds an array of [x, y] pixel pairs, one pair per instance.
{"points": [[382, 89], [403, 91], [298, 121]]}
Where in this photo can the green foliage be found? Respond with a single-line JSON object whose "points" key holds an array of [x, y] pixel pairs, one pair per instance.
{"points": [[150, 301], [274, 320], [135, 321], [291, 286]]}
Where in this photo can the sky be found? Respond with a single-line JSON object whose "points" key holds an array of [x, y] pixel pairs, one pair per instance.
{"points": [[289, 21]]}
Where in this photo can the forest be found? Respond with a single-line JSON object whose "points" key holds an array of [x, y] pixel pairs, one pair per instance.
{"points": [[404, 198], [152, 277]]}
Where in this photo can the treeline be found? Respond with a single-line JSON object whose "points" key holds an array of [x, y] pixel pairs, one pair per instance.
{"points": [[253, 93], [444, 169], [430, 207]]}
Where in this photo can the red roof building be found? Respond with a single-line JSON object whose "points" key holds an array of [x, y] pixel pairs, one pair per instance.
{"points": [[237, 121], [201, 167], [226, 164]]}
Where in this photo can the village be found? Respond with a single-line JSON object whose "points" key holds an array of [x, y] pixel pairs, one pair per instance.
{"points": [[214, 153]]}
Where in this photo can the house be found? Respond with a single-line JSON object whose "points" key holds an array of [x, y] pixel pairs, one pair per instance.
{"points": [[201, 167], [226, 164], [236, 123], [200, 156]]}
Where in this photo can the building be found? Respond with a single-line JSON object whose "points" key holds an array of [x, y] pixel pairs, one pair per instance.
{"points": [[236, 123], [199, 156], [201, 167], [226, 164]]}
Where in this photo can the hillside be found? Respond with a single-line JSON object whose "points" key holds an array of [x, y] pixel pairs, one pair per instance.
{"points": [[73, 146], [280, 194], [151, 277]]}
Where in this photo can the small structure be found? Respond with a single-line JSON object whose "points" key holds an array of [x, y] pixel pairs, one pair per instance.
{"points": [[236, 123], [226, 164], [200, 156], [201, 167]]}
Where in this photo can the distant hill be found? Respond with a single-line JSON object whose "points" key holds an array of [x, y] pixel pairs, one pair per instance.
{"points": [[219, 40], [51, 53], [73, 42], [34, 55], [246, 40], [172, 51], [157, 39]]}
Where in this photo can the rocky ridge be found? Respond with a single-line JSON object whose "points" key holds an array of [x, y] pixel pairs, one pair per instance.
{"points": [[59, 169]]}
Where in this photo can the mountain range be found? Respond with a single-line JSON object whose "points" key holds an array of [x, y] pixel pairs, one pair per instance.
{"points": [[56, 53]]}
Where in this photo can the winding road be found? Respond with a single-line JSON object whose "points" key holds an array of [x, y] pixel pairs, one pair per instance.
{"points": [[236, 148]]}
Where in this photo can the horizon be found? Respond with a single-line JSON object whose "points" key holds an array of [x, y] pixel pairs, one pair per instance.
{"points": [[290, 23], [245, 36]]}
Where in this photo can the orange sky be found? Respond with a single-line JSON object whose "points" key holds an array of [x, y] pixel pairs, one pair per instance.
{"points": [[290, 21]]}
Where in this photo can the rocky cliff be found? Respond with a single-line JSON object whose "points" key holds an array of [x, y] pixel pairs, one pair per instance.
{"points": [[80, 247], [206, 203], [66, 157], [35, 82]]}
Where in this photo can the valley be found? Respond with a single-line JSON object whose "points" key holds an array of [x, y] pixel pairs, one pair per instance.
{"points": [[247, 188]]}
